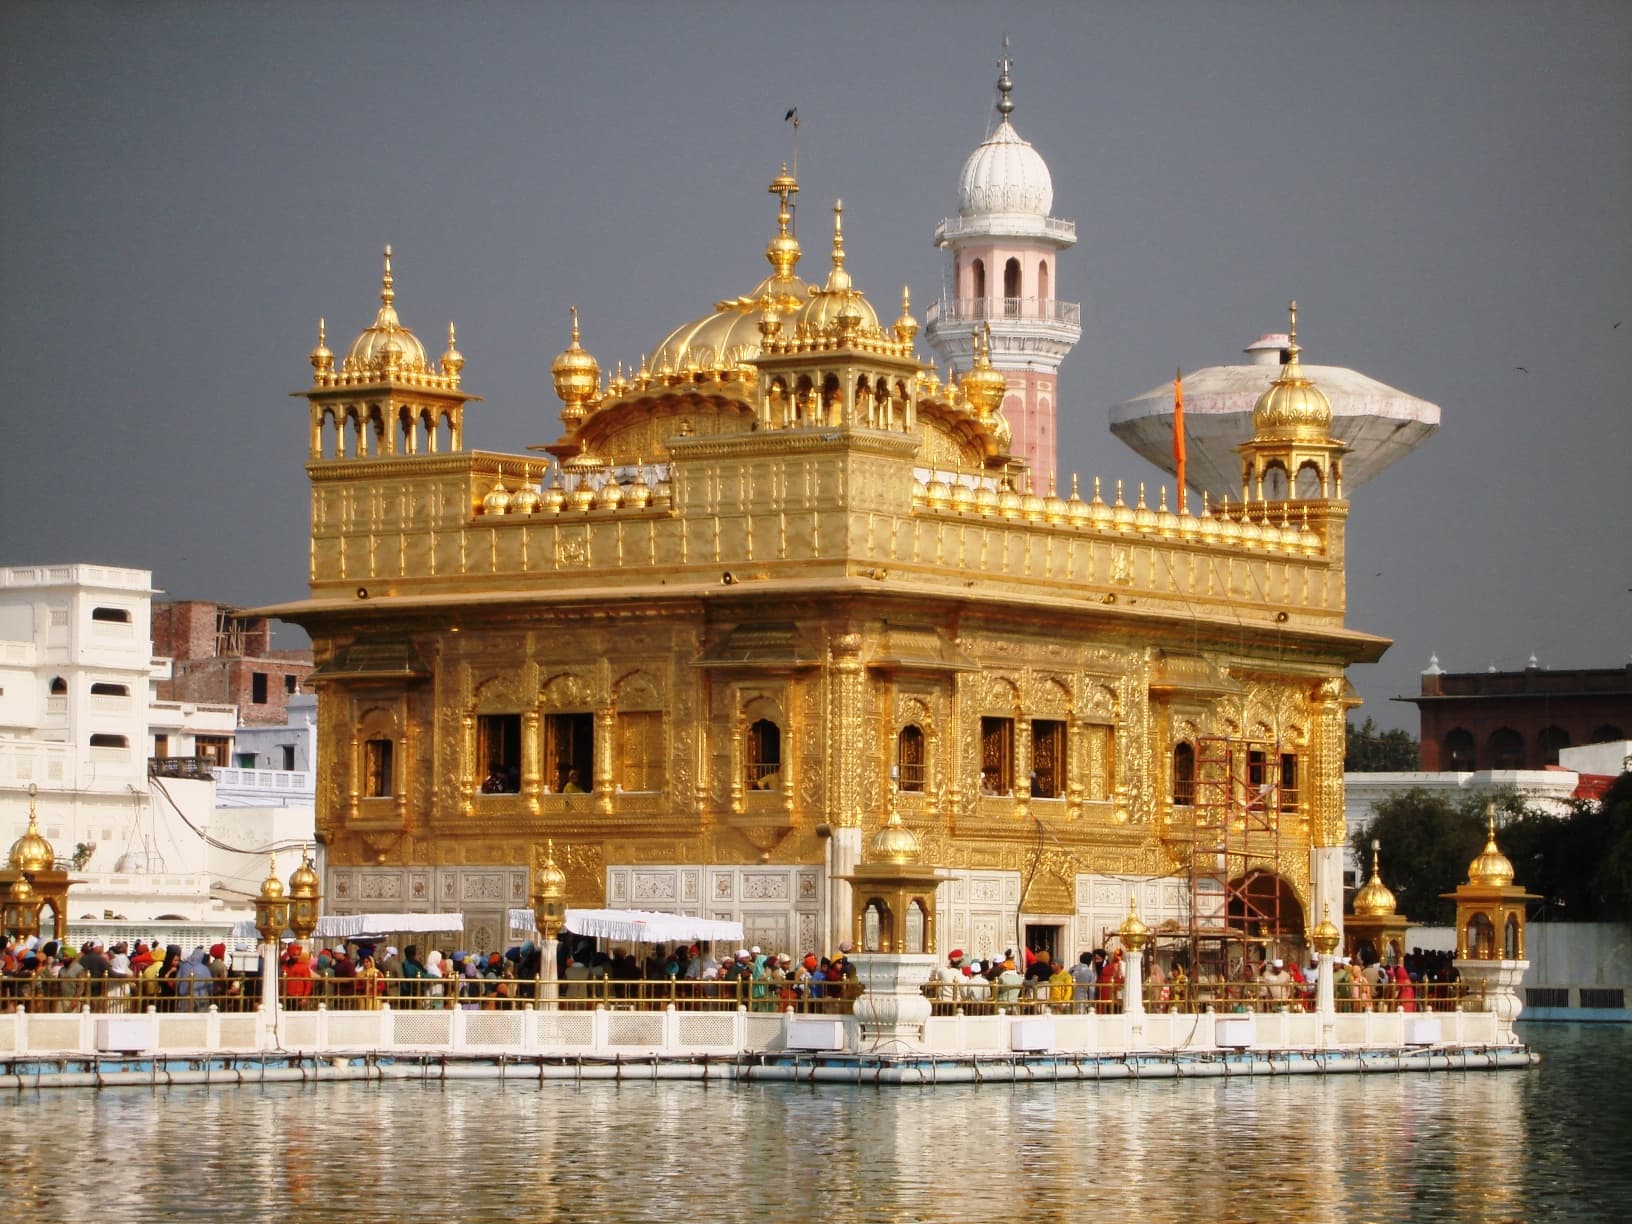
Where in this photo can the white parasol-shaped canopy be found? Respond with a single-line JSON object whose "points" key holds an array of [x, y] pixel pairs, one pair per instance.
{"points": [[637, 926], [349, 926]]}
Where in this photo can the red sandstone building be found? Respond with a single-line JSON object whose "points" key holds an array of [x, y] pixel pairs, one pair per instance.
{"points": [[220, 655], [1521, 719]]}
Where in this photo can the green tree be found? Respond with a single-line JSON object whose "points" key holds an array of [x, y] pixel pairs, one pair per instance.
{"points": [[1368, 750], [1427, 840], [1579, 865]]}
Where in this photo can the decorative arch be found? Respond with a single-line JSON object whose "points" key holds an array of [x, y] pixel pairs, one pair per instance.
{"points": [[1012, 287], [1550, 741], [1310, 483], [1184, 774], [1504, 749], [1042, 280], [638, 689], [977, 271], [911, 758], [1458, 749]]}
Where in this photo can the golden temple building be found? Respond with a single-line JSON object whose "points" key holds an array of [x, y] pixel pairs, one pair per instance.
{"points": [[780, 579]]}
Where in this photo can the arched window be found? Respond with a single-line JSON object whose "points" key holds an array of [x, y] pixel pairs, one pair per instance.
{"points": [[1042, 280], [1505, 749], [59, 687], [764, 755], [1550, 742], [978, 270], [875, 926], [1607, 734], [1459, 750], [909, 758], [1274, 484], [1184, 775], [917, 922], [1481, 938], [1510, 938], [1011, 288], [1308, 486]]}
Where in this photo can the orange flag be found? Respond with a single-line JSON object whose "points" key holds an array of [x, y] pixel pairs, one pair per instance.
{"points": [[1178, 432]]}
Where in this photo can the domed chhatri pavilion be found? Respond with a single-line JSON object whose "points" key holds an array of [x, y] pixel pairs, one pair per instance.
{"points": [[781, 578]]}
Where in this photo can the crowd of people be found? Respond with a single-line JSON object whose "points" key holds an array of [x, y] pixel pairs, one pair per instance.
{"points": [[50, 975]]}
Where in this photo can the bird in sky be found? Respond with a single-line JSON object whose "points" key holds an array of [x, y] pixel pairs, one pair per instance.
{"points": [[1614, 325], [1521, 369], [794, 110]]}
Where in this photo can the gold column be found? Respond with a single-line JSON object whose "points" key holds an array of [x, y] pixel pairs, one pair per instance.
{"points": [[1022, 765], [352, 793], [845, 731], [467, 764], [605, 755], [532, 749]]}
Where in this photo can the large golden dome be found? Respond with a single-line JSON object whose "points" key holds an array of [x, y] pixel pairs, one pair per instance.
{"points": [[730, 334], [1292, 408], [386, 345]]}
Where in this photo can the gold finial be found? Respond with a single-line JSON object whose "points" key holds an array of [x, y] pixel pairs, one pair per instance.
{"points": [[387, 293], [453, 360], [577, 378], [321, 358], [1292, 336], [840, 279], [783, 250], [906, 327]]}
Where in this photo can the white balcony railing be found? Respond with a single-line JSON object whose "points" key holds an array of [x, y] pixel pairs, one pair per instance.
{"points": [[1000, 309]]}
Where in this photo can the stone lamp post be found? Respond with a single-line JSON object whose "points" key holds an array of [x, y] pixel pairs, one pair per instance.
{"points": [[271, 919], [549, 910], [1324, 938], [1134, 935]]}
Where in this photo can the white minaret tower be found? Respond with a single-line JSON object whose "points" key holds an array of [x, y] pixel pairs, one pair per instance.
{"points": [[1003, 244]]}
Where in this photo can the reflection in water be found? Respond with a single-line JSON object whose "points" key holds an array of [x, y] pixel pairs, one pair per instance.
{"points": [[1441, 1146]]}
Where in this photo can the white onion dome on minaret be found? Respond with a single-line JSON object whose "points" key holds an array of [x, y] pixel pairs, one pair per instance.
{"points": [[1005, 174], [386, 345]]}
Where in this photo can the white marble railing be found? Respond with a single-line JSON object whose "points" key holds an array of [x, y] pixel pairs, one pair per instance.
{"points": [[609, 1033]]}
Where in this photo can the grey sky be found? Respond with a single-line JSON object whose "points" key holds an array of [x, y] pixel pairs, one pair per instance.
{"points": [[1445, 188]]}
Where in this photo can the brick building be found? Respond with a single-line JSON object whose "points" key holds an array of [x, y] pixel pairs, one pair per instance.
{"points": [[1518, 719], [223, 655]]}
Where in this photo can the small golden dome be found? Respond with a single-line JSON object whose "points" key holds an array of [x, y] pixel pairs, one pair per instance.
{"points": [[906, 327], [577, 377], [1292, 408], [386, 347], [983, 386], [1491, 869], [895, 843], [937, 492], [610, 495], [321, 358], [963, 497], [1009, 502], [554, 498], [1135, 934], [303, 884], [497, 501], [837, 305], [526, 499], [637, 492], [1325, 937], [453, 360], [1374, 900], [22, 892], [31, 852], [272, 887]]}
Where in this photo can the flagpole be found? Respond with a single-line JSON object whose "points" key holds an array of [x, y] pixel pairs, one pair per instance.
{"points": [[1178, 435]]}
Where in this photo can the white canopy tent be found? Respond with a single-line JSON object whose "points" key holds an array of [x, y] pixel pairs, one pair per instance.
{"points": [[350, 926], [638, 926]]}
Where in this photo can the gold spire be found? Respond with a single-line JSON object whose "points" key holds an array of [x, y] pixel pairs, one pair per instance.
{"points": [[577, 378], [983, 386], [783, 250], [321, 358], [838, 280], [906, 327], [387, 347], [1005, 83], [453, 360]]}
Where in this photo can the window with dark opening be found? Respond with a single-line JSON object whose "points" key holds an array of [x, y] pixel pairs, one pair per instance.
{"points": [[909, 758], [1184, 775], [498, 753], [569, 753], [111, 616], [257, 688], [764, 755], [104, 740], [104, 688], [1048, 759], [997, 756], [377, 755]]}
